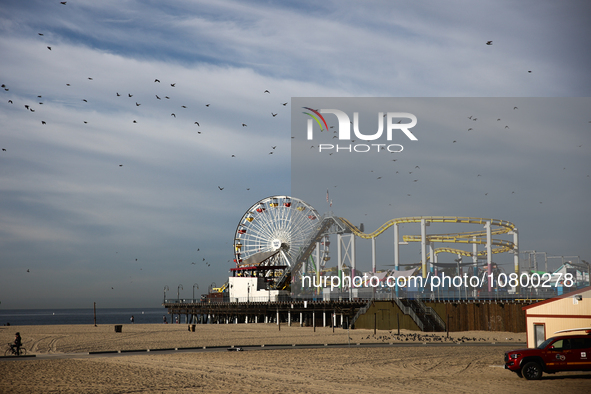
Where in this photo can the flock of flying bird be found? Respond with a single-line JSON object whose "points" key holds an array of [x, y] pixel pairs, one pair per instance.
{"points": [[35, 103], [159, 96]]}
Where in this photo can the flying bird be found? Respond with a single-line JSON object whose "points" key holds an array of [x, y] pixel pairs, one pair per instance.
{"points": [[158, 97], [49, 48], [207, 105], [489, 43], [137, 104], [135, 121], [183, 106], [173, 115], [64, 3], [90, 78], [221, 188], [197, 123], [284, 104], [40, 34], [130, 95], [266, 91], [156, 80], [274, 115], [172, 84], [43, 122], [243, 124], [85, 100]]}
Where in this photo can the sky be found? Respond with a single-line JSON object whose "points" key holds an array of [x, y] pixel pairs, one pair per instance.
{"points": [[110, 191]]}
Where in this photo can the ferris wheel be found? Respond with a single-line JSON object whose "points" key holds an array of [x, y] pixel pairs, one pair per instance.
{"points": [[273, 231]]}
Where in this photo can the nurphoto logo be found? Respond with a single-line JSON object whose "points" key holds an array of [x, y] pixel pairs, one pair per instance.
{"points": [[344, 131]]}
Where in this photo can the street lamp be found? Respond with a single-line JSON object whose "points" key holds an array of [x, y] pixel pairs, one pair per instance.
{"points": [[178, 292], [165, 289], [194, 285]]}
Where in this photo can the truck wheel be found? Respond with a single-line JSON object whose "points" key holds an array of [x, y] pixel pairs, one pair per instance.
{"points": [[532, 371]]}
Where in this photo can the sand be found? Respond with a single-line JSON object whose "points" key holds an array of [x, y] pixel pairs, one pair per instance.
{"points": [[63, 364]]}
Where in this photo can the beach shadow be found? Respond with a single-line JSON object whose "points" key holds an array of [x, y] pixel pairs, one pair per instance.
{"points": [[582, 375]]}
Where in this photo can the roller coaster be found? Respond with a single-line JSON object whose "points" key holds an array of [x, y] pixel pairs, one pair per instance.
{"points": [[280, 238]]}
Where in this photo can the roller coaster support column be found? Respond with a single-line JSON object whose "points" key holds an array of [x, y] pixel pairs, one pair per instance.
{"points": [[488, 254], [424, 247], [318, 268], [475, 261], [373, 261], [396, 247], [340, 271], [396, 252], [433, 258], [346, 252], [475, 256], [515, 251], [352, 257], [516, 255], [373, 255]]}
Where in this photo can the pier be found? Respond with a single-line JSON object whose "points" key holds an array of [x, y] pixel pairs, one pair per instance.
{"points": [[385, 314], [305, 313]]}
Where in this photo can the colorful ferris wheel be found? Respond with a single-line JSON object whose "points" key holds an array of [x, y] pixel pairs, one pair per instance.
{"points": [[273, 232]]}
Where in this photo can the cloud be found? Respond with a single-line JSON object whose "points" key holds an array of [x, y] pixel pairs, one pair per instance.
{"points": [[68, 203]]}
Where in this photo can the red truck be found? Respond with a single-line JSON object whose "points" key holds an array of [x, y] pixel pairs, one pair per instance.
{"points": [[556, 354]]}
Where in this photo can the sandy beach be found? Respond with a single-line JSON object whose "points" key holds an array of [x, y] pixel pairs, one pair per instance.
{"points": [[466, 363]]}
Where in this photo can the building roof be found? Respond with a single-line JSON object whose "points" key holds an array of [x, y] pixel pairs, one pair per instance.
{"points": [[567, 295]]}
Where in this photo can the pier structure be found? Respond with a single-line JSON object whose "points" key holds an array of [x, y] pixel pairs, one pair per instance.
{"points": [[377, 314], [333, 313]]}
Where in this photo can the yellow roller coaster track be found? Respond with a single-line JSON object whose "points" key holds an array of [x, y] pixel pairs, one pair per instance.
{"points": [[472, 237]]}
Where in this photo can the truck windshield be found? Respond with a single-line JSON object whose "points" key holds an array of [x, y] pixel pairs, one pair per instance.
{"points": [[545, 343]]}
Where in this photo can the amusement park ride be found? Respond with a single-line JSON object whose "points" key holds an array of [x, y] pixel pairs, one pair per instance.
{"points": [[280, 239]]}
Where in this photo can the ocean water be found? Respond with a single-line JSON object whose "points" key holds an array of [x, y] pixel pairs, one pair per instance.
{"points": [[36, 317]]}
